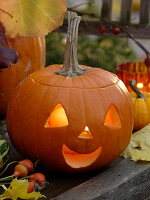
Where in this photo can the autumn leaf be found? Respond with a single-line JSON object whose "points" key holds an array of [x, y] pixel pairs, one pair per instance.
{"points": [[18, 189], [139, 146], [31, 17]]}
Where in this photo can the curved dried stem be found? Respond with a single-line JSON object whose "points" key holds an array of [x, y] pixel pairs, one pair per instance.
{"points": [[71, 66], [138, 92]]}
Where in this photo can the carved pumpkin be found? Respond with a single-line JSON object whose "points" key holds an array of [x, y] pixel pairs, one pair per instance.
{"points": [[31, 58], [141, 101], [74, 122]]}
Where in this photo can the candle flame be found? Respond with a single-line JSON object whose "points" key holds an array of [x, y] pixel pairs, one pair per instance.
{"points": [[86, 134], [140, 85], [86, 129]]}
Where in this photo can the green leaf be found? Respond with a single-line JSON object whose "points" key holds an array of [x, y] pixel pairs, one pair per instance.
{"points": [[18, 189], [31, 17], [139, 146]]}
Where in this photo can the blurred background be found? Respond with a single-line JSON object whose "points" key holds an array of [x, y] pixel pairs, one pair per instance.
{"points": [[98, 51]]}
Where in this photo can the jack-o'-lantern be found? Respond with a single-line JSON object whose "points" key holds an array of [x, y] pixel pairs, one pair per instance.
{"points": [[74, 120], [31, 53]]}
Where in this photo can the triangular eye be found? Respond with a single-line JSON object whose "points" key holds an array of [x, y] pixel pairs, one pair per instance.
{"points": [[112, 117], [57, 118], [86, 134]]}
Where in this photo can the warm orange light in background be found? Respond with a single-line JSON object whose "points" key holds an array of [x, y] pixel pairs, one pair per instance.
{"points": [[57, 118], [134, 71], [86, 134], [140, 85]]}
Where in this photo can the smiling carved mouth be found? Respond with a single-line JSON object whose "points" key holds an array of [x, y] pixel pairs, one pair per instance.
{"points": [[78, 160]]}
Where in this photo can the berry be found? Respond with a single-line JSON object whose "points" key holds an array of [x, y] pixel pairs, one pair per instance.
{"points": [[27, 163], [147, 61], [39, 177], [31, 186], [102, 29], [115, 30], [20, 171]]}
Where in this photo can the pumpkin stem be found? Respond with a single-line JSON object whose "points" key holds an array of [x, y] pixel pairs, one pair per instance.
{"points": [[71, 66], [136, 90]]}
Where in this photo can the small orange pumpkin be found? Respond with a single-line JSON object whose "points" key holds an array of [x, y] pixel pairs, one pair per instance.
{"points": [[141, 102], [31, 58], [75, 118]]}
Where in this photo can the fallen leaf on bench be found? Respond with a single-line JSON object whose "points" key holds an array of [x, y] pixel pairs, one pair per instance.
{"points": [[18, 189], [139, 146]]}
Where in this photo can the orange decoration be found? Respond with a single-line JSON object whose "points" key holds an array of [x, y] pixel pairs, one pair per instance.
{"points": [[31, 58], [141, 102], [75, 118], [135, 71]]}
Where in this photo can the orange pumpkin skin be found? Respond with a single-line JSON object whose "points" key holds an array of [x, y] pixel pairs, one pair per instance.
{"points": [[86, 100], [141, 110], [31, 58]]}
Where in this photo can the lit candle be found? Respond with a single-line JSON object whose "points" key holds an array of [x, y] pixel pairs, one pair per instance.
{"points": [[86, 134], [140, 85], [86, 129]]}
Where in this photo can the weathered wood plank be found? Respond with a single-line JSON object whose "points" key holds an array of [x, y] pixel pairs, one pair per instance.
{"points": [[144, 11], [106, 9], [124, 180], [125, 11], [92, 27]]}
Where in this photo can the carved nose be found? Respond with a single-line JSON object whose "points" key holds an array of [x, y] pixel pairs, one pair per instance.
{"points": [[86, 134]]}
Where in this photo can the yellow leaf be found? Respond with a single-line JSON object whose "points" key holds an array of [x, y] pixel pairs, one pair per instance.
{"points": [[18, 189], [139, 146], [31, 17]]}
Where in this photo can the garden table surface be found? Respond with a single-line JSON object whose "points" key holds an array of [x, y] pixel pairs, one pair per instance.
{"points": [[121, 180]]}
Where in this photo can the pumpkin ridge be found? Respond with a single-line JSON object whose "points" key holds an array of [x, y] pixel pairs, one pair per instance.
{"points": [[36, 82], [82, 81]]}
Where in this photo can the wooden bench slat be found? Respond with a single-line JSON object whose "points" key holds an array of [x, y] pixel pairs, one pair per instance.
{"points": [[125, 11], [106, 9], [144, 11]]}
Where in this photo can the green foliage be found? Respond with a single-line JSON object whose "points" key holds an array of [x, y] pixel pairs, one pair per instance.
{"points": [[102, 52], [55, 47], [91, 8]]}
